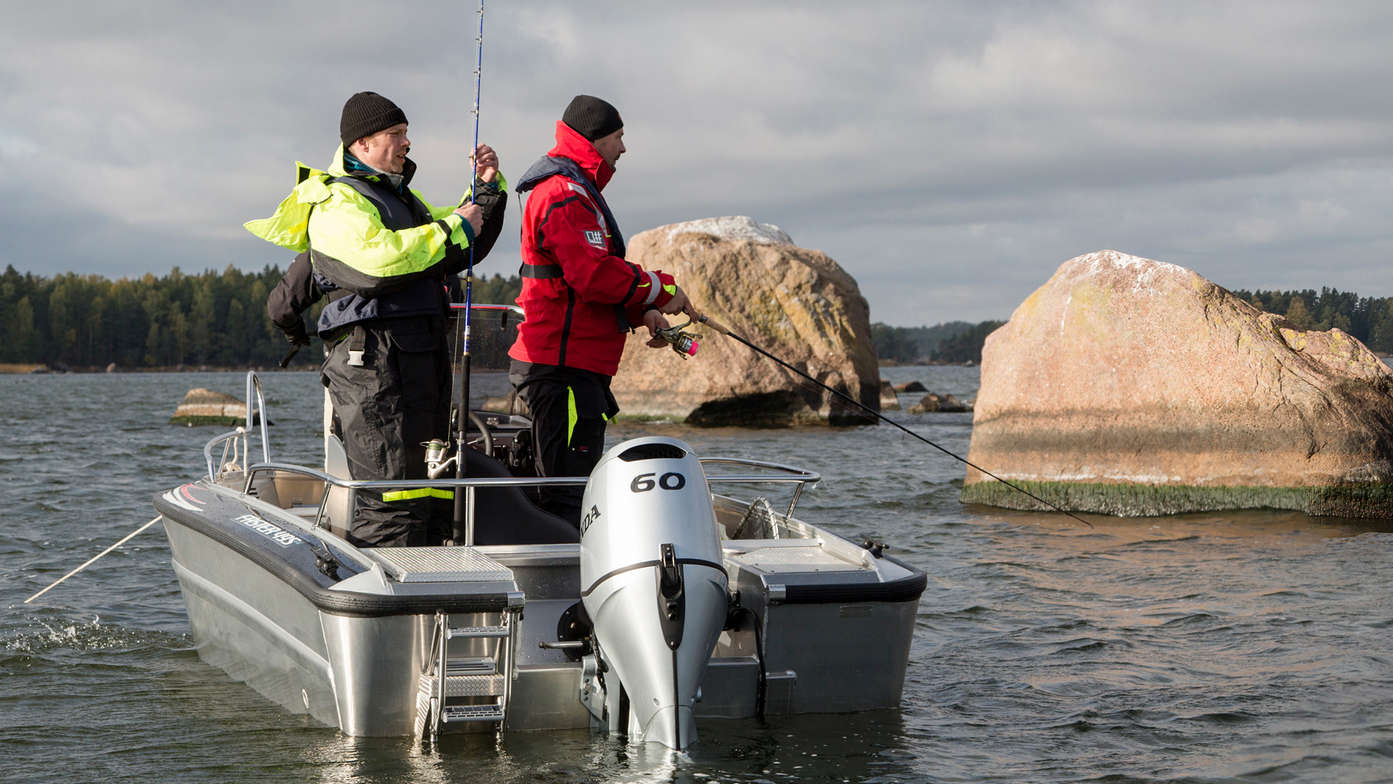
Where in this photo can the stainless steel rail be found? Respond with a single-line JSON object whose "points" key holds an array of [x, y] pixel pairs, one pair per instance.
{"points": [[469, 484], [236, 440], [801, 476]]}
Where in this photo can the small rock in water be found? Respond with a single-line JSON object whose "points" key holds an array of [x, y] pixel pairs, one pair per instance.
{"points": [[889, 401], [206, 407], [940, 403]]}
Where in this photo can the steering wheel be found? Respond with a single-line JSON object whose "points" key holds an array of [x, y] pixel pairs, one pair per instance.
{"points": [[484, 441]]}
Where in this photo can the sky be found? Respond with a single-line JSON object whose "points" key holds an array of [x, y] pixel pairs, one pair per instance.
{"points": [[949, 155]]}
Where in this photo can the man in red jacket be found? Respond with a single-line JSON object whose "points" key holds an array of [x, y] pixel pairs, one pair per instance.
{"points": [[580, 297]]}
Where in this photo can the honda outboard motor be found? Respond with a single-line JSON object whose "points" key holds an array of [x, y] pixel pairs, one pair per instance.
{"points": [[654, 587]]}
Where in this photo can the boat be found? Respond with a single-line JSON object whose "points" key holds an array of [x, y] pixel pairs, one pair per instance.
{"points": [[682, 598]]}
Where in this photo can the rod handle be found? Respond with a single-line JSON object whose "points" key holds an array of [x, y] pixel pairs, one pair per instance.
{"points": [[714, 324]]}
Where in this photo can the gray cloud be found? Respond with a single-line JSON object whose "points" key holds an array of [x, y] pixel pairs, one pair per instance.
{"points": [[949, 155]]}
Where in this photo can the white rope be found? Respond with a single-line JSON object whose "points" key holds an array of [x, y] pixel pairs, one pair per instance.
{"points": [[124, 539]]}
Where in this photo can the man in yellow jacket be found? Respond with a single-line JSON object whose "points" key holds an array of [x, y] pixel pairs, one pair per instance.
{"points": [[385, 258]]}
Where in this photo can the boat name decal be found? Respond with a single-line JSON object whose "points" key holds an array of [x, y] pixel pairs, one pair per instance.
{"points": [[271, 531]]}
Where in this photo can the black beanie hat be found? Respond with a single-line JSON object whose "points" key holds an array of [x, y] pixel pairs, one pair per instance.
{"points": [[591, 117], [365, 114]]}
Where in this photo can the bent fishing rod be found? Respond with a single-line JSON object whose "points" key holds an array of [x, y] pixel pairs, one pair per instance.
{"points": [[724, 331], [458, 534]]}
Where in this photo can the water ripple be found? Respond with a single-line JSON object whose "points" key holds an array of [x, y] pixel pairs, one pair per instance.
{"points": [[1200, 648]]}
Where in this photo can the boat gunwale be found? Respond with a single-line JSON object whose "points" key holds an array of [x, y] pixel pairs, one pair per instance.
{"points": [[328, 600], [358, 604]]}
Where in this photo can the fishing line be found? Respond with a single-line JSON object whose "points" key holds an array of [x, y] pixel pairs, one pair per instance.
{"points": [[458, 534], [721, 329]]}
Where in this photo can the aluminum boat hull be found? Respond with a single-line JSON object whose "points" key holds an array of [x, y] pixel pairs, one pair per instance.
{"points": [[321, 627]]}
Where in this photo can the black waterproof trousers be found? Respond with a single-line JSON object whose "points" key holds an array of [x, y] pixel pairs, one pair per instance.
{"points": [[387, 404], [569, 409]]}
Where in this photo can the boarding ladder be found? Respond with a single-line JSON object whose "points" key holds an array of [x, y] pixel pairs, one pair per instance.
{"points": [[473, 688]]}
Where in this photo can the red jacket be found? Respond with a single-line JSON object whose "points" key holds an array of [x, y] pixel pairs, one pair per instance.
{"points": [[580, 296]]}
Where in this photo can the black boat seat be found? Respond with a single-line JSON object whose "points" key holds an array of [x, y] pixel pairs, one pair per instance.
{"points": [[505, 515]]}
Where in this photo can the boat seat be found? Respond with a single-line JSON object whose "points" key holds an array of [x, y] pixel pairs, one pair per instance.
{"points": [[505, 515], [338, 512]]}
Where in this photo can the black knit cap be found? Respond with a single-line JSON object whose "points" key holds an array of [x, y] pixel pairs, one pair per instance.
{"points": [[592, 117], [365, 114]]}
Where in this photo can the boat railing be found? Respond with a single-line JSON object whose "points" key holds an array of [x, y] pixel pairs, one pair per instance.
{"points": [[236, 449], [234, 443], [800, 477], [470, 485], [513, 309]]}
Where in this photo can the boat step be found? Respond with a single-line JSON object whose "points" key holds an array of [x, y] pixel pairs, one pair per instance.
{"points": [[477, 632], [471, 665], [454, 713], [474, 686]]}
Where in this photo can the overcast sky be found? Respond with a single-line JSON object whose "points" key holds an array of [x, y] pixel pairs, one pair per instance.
{"points": [[949, 155]]}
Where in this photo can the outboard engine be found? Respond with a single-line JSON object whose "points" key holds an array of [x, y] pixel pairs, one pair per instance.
{"points": [[654, 587]]}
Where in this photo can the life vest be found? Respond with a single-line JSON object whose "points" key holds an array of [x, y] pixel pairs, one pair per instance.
{"points": [[422, 296]]}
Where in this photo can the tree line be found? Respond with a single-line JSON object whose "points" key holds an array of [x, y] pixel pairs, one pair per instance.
{"points": [[219, 320], [215, 319], [1368, 319], [952, 342]]}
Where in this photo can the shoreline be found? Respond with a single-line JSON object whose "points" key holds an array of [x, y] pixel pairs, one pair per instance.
{"points": [[23, 369]]}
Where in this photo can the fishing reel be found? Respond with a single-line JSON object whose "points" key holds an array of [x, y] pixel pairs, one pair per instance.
{"points": [[684, 343], [436, 449], [436, 463]]}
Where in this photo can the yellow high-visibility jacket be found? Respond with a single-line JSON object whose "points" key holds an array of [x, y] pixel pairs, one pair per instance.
{"points": [[369, 247]]}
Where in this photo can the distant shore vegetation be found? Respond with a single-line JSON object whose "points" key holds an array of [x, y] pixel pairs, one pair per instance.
{"points": [[218, 319], [211, 319]]}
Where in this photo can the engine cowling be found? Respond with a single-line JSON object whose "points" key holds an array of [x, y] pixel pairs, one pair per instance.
{"points": [[654, 586]]}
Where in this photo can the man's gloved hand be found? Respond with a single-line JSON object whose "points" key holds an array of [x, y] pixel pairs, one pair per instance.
{"points": [[295, 334]]}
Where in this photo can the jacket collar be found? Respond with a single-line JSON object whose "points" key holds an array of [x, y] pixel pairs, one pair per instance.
{"points": [[345, 165], [570, 144]]}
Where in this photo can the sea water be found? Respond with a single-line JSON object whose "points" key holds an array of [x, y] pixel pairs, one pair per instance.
{"points": [[1233, 647]]}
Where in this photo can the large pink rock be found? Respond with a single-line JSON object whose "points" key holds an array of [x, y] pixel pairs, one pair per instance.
{"points": [[795, 303], [1130, 386]]}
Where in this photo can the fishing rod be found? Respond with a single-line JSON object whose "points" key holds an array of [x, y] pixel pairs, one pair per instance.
{"points": [[458, 534], [724, 331]]}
